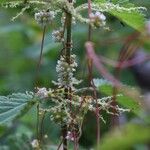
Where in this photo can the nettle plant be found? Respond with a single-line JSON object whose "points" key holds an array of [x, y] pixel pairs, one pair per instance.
{"points": [[68, 105]]}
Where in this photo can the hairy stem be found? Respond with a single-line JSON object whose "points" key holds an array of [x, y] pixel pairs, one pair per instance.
{"points": [[67, 57]]}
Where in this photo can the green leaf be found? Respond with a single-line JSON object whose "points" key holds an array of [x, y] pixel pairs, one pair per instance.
{"points": [[129, 103], [15, 105], [134, 19], [125, 138], [106, 88], [103, 86], [124, 11]]}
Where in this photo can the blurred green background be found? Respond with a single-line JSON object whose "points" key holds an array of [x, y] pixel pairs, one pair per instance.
{"points": [[19, 53]]}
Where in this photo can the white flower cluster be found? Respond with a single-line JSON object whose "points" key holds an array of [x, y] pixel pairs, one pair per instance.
{"points": [[59, 115], [57, 35], [35, 144], [100, 82], [65, 73], [98, 19], [74, 1], [43, 17], [63, 18], [43, 92], [70, 136]]}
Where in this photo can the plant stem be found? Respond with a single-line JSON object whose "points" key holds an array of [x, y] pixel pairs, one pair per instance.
{"points": [[64, 134], [68, 43], [90, 28], [42, 127], [36, 80], [40, 58], [67, 57], [37, 126], [97, 112]]}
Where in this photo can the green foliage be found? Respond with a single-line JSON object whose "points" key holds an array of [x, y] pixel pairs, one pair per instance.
{"points": [[124, 11], [106, 88], [28, 51], [134, 19], [23, 141], [126, 137], [15, 105]]}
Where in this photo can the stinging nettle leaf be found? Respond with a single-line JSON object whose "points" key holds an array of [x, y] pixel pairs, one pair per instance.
{"points": [[106, 88], [15, 105], [124, 11]]}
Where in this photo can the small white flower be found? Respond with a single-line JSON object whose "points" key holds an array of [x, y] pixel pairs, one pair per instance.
{"points": [[43, 17], [70, 136], [101, 16], [57, 35], [35, 143], [42, 92], [65, 73], [45, 136], [98, 19]]}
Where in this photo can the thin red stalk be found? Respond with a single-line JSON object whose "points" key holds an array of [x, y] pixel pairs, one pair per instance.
{"points": [[97, 111], [75, 141], [104, 72], [91, 80], [127, 51], [124, 64], [91, 54], [89, 8]]}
